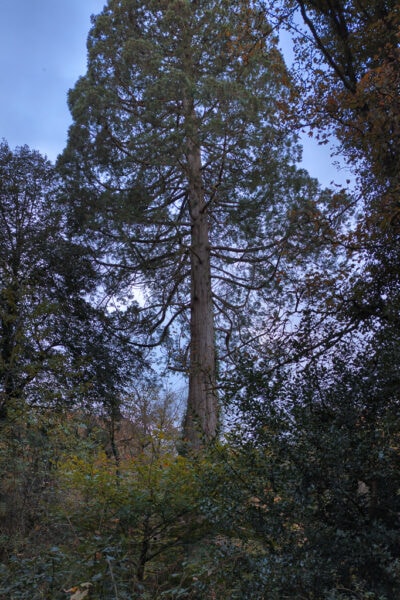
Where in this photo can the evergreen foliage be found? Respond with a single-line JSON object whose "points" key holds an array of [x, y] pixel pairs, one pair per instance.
{"points": [[180, 153]]}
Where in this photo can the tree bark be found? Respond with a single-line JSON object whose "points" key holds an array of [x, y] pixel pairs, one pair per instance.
{"points": [[201, 420]]}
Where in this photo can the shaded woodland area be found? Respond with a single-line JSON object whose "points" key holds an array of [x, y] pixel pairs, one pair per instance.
{"points": [[177, 233]]}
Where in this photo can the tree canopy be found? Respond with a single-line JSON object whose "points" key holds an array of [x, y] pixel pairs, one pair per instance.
{"points": [[190, 174]]}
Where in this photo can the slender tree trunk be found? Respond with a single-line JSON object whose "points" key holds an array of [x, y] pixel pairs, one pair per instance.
{"points": [[201, 421]]}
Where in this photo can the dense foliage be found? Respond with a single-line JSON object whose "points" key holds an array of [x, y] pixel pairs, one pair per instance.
{"points": [[178, 149], [299, 497]]}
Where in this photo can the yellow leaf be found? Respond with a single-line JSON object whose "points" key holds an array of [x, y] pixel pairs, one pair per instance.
{"points": [[80, 592], [79, 595]]}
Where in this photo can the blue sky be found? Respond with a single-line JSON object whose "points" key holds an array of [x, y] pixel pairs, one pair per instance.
{"points": [[42, 54]]}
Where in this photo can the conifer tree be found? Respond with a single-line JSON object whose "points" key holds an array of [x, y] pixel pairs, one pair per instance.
{"points": [[178, 163]]}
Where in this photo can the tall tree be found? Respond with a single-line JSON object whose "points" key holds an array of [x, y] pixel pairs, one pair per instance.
{"points": [[55, 345], [28, 228], [348, 59], [185, 171]]}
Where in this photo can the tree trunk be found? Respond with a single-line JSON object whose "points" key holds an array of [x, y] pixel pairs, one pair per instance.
{"points": [[201, 421]]}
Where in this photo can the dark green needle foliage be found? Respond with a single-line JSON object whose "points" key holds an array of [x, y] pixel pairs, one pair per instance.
{"points": [[179, 158]]}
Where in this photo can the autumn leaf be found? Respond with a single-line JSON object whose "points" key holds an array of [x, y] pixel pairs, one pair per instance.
{"points": [[79, 592]]}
